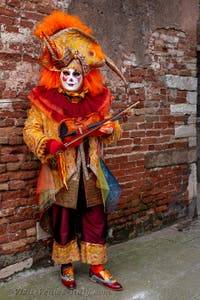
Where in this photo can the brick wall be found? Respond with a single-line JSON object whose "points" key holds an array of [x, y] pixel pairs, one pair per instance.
{"points": [[155, 161], [19, 73]]}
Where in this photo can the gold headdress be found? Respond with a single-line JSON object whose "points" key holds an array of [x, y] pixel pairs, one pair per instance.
{"points": [[66, 38]]}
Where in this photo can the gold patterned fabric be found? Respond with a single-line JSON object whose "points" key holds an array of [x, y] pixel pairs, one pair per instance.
{"points": [[69, 198], [65, 254], [94, 254], [89, 253]]}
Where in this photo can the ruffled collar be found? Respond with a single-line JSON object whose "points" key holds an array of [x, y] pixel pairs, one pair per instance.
{"points": [[58, 106]]}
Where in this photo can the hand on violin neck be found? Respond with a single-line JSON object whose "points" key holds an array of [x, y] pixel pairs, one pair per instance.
{"points": [[106, 129]]}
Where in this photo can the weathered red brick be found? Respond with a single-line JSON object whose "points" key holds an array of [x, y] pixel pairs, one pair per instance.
{"points": [[4, 186], [6, 20], [22, 175], [7, 12], [17, 184], [3, 140], [7, 94], [4, 177], [10, 195], [2, 168], [11, 28], [7, 212], [17, 202], [14, 140], [10, 56], [14, 3], [20, 225], [8, 157], [13, 150], [32, 15], [26, 23], [17, 244], [4, 238]]}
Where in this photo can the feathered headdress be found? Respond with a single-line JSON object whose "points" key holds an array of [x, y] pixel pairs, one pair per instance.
{"points": [[64, 39]]}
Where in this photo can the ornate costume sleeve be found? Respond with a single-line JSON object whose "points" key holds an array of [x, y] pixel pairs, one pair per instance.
{"points": [[33, 134]]}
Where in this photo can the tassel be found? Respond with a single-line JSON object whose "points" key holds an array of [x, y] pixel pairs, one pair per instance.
{"points": [[62, 168]]}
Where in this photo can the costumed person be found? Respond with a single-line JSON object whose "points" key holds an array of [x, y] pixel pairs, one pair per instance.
{"points": [[70, 98]]}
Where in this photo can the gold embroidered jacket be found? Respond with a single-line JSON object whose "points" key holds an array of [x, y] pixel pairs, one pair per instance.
{"points": [[37, 130]]}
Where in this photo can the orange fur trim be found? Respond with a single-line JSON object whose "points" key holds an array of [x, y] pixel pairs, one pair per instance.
{"points": [[50, 79], [57, 21], [93, 81]]}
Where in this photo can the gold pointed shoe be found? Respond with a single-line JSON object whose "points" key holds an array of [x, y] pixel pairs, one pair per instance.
{"points": [[67, 277], [105, 278]]}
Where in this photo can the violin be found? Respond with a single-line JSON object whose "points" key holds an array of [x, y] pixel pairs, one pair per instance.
{"points": [[73, 131], [75, 127]]}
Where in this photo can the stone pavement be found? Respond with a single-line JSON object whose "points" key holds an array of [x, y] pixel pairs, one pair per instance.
{"points": [[163, 265]]}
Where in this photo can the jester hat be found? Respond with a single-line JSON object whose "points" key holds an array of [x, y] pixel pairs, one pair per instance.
{"points": [[65, 38]]}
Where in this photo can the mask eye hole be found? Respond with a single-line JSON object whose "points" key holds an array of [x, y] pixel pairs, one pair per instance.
{"points": [[76, 74], [66, 73]]}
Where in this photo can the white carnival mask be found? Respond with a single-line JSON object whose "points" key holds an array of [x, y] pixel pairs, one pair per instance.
{"points": [[71, 79]]}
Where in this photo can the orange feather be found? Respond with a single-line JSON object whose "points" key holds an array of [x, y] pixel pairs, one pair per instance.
{"points": [[57, 21]]}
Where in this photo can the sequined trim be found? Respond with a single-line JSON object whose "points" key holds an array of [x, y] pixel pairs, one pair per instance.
{"points": [[41, 150], [93, 253], [65, 254]]}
